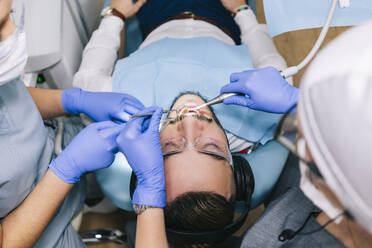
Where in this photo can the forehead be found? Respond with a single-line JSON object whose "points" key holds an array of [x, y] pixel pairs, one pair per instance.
{"points": [[192, 171]]}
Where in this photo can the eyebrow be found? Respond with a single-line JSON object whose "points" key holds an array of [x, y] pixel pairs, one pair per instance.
{"points": [[199, 117], [214, 156]]}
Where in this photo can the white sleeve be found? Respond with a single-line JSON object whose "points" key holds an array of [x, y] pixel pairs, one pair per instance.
{"points": [[260, 44], [99, 57]]}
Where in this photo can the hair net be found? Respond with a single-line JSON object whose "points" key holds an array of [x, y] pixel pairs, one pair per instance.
{"points": [[335, 109]]}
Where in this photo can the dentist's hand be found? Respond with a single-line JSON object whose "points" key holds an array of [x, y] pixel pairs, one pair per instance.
{"points": [[265, 90], [100, 106], [92, 149], [140, 143]]}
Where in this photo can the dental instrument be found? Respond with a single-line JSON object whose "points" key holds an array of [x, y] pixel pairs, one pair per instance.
{"points": [[216, 100], [150, 113]]}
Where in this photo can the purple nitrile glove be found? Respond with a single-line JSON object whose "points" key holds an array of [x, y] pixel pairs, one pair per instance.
{"points": [[92, 149], [140, 143], [100, 106], [265, 90]]}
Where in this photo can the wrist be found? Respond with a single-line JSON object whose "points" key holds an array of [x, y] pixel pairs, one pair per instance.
{"points": [[240, 8], [71, 99], [112, 11], [139, 209], [65, 169], [153, 196]]}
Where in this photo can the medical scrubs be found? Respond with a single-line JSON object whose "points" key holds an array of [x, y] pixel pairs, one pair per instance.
{"points": [[289, 208], [26, 149]]}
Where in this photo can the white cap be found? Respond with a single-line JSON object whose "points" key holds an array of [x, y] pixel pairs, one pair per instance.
{"points": [[335, 109]]}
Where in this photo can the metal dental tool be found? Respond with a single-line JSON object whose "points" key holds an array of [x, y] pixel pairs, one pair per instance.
{"points": [[216, 100], [151, 113]]}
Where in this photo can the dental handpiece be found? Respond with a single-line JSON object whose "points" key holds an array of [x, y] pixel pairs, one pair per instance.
{"points": [[216, 100]]}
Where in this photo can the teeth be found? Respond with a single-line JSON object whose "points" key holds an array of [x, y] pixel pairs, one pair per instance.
{"points": [[186, 111]]}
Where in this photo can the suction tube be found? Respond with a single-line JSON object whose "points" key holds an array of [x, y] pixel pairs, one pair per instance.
{"points": [[290, 71]]}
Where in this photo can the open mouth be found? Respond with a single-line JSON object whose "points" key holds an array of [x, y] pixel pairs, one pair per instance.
{"points": [[187, 109]]}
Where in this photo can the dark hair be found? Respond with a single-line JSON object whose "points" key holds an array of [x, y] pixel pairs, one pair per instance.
{"points": [[199, 211]]}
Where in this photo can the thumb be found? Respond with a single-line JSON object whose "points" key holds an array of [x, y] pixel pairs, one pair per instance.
{"points": [[134, 126], [123, 114], [155, 120], [139, 4]]}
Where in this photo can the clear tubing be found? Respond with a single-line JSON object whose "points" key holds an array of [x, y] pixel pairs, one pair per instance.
{"points": [[294, 69]]}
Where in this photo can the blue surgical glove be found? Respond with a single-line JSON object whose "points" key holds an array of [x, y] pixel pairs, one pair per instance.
{"points": [[265, 90], [92, 149], [140, 143], [100, 106]]}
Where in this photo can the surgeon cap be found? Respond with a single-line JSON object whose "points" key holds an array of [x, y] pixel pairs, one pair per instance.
{"points": [[335, 112]]}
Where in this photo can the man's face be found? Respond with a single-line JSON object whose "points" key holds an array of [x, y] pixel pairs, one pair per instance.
{"points": [[191, 170]]}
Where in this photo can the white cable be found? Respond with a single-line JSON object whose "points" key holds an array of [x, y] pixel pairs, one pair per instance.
{"points": [[294, 69]]}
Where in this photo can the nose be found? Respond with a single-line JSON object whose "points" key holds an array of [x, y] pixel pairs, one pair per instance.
{"points": [[190, 128]]}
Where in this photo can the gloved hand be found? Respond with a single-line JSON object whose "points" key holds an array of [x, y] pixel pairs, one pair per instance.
{"points": [[92, 149], [265, 90], [100, 106], [140, 143]]}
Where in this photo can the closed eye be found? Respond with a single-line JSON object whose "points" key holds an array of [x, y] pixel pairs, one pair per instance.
{"points": [[215, 156]]}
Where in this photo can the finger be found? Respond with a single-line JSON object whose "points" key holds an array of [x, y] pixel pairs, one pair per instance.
{"points": [[109, 135], [239, 100], [134, 126], [103, 125], [120, 116], [111, 131], [233, 88], [155, 120], [133, 108], [134, 102], [128, 110], [234, 77]]}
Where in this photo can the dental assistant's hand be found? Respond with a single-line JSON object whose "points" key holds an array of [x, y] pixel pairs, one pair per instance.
{"points": [[140, 143], [265, 90], [100, 106], [92, 149], [231, 5], [127, 7]]}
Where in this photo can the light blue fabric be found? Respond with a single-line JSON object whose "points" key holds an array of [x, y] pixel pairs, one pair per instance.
{"points": [[287, 15], [157, 73], [26, 148], [115, 182], [267, 163]]}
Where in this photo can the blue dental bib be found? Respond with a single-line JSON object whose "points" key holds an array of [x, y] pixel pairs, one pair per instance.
{"points": [[159, 72]]}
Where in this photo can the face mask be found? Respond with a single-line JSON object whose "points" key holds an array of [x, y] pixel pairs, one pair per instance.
{"points": [[13, 55], [309, 189]]}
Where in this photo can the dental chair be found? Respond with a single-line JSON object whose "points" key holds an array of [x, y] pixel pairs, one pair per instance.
{"points": [[57, 32]]}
